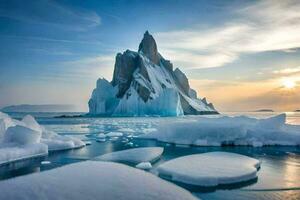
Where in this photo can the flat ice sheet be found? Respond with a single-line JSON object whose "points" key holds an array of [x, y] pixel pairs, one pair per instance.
{"points": [[210, 169], [14, 152], [135, 155], [204, 131], [92, 180]]}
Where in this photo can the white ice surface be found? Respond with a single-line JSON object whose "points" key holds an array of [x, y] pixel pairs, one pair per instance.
{"points": [[144, 165], [25, 139], [204, 131], [92, 180], [10, 152], [210, 169], [114, 134], [135, 155]]}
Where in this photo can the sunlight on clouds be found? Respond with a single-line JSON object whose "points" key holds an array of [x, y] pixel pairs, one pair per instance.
{"points": [[247, 96], [257, 30], [287, 70]]}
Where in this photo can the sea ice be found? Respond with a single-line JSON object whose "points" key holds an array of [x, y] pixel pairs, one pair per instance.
{"points": [[101, 136], [22, 135], [144, 165], [25, 139], [114, 134], [204, 131], [92, 180], [10, 152], [135, 155], [210, 169]]}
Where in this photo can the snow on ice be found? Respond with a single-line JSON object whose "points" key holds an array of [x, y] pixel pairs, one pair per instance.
{"points": [[210, 169], [135, 155], [242, 130], [26, 138], [92, 180]]}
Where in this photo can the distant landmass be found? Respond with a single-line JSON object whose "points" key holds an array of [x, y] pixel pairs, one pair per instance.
{"points": [[297, 111], [264, 110], [41, 108]]}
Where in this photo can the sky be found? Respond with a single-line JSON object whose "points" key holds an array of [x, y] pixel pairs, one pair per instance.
{"points": [[241, 55]]}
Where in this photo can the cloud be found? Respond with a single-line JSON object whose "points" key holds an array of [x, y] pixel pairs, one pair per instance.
{"points": [[263, 26], [49, 12], [288, 71]]}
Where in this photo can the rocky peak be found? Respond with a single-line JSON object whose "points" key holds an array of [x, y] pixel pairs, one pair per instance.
{"points": [[149, 48]]}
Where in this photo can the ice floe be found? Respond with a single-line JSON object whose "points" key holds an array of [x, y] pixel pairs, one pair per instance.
{"points": [[204, 131], [114, 134], [135, 155], [92, 180], [26, 138], [210, 169]]}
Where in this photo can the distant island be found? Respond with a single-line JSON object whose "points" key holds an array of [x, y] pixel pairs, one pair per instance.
{"points": [[41, 108], [297, 111], [264, 110]]}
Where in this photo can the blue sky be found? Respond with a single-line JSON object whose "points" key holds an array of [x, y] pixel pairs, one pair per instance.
{"points": [[53, 51]]}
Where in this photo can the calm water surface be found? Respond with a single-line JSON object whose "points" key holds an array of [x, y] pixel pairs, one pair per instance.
{"points": [[278, 178]]}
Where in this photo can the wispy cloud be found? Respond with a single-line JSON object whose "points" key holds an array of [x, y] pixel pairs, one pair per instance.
{"points": [[264, 26], [47, 39], [49, 12], [288, 71]]}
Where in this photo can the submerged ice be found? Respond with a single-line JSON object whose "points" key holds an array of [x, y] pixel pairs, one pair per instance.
{"points": [[144, 83]]}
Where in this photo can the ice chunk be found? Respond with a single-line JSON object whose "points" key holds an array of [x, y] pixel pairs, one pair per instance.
{"points": [[58, 142], [144, 165], [5, 123], [210, 169], [45, 162], [114, 134], [136, 155], [126, 130], [10, 152], [92, 180], [30, 122], [203, 131], [25, 139], [22, 135]]}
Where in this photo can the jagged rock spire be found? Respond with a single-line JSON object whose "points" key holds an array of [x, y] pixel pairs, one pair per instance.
{"points": [[149, 48]]}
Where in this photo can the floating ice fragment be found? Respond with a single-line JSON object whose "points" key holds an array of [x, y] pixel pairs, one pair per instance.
{"points": [[136, 155], [144, 165], [45, 162], [210, 169], [114, 134]]}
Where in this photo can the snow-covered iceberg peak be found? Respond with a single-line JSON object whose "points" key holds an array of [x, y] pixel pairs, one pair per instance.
{"points": [[144, 83]]}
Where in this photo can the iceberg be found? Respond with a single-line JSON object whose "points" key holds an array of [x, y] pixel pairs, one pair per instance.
{"points": [[210, 169], [92, 180], [242, 130], [135, 155], [144, 83], [26, 139]]}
